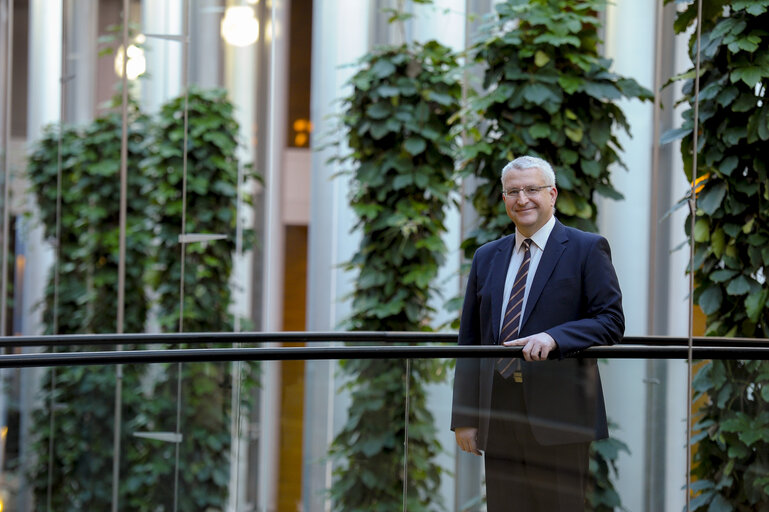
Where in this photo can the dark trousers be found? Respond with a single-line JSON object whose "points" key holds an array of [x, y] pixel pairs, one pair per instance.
{"points": [[521, 474]]}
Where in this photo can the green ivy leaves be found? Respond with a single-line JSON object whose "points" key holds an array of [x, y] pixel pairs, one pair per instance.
{"points": [[546, 92], [396, 122], [731, 233], [88, 259]]}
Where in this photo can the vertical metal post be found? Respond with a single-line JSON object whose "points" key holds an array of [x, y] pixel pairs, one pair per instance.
{"points": [[406, 437], [118, 421], [6, 170], [57, 249], [693, 213], [185, 72]]}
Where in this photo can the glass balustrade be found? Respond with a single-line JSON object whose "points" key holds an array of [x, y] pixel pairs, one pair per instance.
{"points": [[372, 433]]}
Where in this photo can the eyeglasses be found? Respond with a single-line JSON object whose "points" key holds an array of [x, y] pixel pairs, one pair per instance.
{"points": [[529, 191]]}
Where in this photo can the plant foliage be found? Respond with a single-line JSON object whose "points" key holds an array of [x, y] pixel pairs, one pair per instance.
{"points": [[211, 202], [731, 245], [211, 206], [395, 123], [83, 397], [546, 91]]}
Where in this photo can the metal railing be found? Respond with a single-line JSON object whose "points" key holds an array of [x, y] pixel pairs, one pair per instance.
{"points": [[388, 346]]}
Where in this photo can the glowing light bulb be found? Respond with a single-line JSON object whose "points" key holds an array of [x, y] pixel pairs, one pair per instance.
{"points": [[239, 26], [137, 63]]}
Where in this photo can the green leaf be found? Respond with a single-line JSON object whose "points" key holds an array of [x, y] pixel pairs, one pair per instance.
{"points": [[575, 134], [591, 168], [602, 90], [720, 504], [379, 110], [750, 75], [719, 276], [718, 242], [537, 94], [712, 198], [541, 58], [754, 304], [675, 134], [414, 145], [540, 130], [710, 300], [383, 68], [402, 181], [738, 286], [565, 204], [570, 83], [701, 230]]}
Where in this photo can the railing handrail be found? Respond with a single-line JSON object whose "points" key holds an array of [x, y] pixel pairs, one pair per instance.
{"points": [[193, 338], [623, 351]]}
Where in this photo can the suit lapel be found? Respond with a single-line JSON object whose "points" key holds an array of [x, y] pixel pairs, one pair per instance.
{"points": [[554, 248], [499, 266]]}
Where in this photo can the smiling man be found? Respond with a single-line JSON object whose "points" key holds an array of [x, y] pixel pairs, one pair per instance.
{"points": [[553, 291]]}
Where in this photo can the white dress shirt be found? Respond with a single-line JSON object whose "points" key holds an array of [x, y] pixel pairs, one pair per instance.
{"points": [[538, 239]]}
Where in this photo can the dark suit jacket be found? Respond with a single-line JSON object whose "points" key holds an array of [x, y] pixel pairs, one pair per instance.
{"points": [[575, 297]]}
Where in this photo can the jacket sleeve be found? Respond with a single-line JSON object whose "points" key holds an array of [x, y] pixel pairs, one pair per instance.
{"points": [[602, 321], [465, 406]]}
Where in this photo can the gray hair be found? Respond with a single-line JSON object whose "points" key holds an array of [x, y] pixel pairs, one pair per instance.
{"points": [[530, 162]]}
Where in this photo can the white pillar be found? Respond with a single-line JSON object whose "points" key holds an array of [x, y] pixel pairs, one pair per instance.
{"points": [[630, 43], [336, 43], [44, 93], [676, 431], [43, 108], [272, 139], [164, 57]]}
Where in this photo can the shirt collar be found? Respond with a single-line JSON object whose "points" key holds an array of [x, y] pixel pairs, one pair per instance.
{"points": [[539, 238]]}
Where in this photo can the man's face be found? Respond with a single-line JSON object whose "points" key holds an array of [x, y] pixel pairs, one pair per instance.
{"points": [[528, 213]]}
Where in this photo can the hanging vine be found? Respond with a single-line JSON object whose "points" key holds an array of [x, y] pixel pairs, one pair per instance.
{"points": [[211, 209], [83, 397], [546, 91], [395, 122], [731, 245]]}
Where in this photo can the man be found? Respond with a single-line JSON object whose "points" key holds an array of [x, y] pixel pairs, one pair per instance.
{"points": [[553, 291]]}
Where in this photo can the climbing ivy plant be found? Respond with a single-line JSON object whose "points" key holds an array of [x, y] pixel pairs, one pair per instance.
{"points": [[211, 206], [395, 124], [547, 91], [83, 397], [731, 245]]}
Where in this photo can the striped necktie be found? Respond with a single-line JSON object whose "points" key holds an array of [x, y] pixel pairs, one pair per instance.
{"points": [[507, 366]]}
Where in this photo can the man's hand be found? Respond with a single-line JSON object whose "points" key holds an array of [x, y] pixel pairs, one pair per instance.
{"points": [[535, 347], [467, 439]]}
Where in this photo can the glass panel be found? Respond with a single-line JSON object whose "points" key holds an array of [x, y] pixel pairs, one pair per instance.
{"points": [[213, 470], [730, 435], [639, 466]]}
